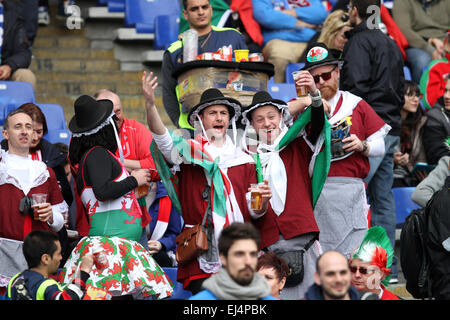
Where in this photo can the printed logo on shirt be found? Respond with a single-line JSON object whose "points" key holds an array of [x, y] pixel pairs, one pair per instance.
{"points": [[299, 3]]}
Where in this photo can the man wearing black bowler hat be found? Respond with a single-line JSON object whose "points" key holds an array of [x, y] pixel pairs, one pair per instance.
{"points": [[212, 173]]}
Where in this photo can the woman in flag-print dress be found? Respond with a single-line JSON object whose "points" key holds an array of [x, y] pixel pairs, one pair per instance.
{"points": [[106, 191]]}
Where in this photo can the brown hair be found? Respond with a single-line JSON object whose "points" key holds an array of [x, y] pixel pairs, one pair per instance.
{"points": [[35, 113], [271, 260]]}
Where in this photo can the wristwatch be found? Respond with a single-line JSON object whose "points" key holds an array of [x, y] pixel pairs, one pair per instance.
{"points": [[365, 146], [316, 98]]}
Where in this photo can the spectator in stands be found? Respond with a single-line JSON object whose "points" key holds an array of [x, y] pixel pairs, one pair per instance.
{"points": [[135, 140], [373, 70], [275, 270], [436, 133], [15, 50], [165, 225], [411, 149], [210, 38], [288, 227], [20, 178], [65, 10], [237, 279], [357, 134], [424, 24], [30, 16], [370, 263], [45, 151], [334, 28], [432, 82], [432, 183], [287, 26], [107, 194], [198, 174], [332, 279], [42, 252]]}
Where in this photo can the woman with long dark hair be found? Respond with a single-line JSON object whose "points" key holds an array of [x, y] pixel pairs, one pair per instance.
{"points": [[114, 217]]}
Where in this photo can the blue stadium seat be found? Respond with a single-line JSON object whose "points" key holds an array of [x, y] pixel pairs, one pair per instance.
{"points": [[178, 292], [116, 5], [403, 204], [407, 73], [282, 91], [141, 14], [102, 3], [54, 115], [12, 95], [291, 68], [58, 135], [166, 31]]}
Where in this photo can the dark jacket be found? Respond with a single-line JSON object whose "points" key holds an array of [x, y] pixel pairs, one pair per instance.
{"points": [[373, 70], [315, 293], [16, 51], [435, 133]]}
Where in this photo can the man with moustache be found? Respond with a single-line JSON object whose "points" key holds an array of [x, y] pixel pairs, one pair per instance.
{"points": [[332, 279], [357, 133], [237, 279]]}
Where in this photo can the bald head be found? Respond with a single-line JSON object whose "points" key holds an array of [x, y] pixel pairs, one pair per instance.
{"points": [[110, 95]]}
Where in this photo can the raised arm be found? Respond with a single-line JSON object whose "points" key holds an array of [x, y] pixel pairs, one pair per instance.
{"points": [[154, 121]]}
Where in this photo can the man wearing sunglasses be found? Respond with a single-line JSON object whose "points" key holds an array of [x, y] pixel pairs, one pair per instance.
{"points": [[357, 133]]}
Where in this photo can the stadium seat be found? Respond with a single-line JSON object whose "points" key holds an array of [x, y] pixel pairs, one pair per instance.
{"points": [[291, 68], [102, 2], [178, 292], [141, 14], [282, 91], [58, 135], [407, 73], [54, 115], [116, 5], [166, 31], [403, 204], [12, 95]]}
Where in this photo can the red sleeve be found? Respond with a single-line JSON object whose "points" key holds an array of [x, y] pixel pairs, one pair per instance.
{"points": [[371, 120], [142, 144]]}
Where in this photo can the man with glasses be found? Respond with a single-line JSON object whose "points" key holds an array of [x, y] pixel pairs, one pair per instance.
{"points": [[357, 133], [373, 70]]}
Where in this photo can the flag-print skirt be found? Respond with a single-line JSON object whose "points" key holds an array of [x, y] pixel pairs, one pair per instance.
{"points": [[127, 268]]}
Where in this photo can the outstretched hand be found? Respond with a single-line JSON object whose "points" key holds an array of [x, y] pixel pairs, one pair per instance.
{"points": [[149, 84]]}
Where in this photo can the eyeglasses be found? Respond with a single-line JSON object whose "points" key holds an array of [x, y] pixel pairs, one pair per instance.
{"points": [[362, 270], [325, 76]]}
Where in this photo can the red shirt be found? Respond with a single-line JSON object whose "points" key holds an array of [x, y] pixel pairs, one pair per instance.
{"points": [[15, 225], [136, 139], [364, 123]]}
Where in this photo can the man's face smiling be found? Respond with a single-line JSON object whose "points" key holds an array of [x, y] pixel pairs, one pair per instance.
{"points": [[266, 122]]}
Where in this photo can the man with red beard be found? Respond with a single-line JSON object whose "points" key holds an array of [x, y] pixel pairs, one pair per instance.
{"points": [[357, 133]]}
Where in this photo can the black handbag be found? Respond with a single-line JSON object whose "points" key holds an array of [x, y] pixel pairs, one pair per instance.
{"points": [[294, 259]]}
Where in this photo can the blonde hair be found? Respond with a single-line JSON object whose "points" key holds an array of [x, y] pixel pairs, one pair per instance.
{"points": [[332, 25]]}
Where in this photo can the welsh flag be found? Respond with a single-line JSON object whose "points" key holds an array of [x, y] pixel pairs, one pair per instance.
{"points": [[322, 160], [194, 152]]}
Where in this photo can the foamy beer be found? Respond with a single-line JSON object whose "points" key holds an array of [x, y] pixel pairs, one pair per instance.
{"points": [[256, 197], [38, 199], [302, 91], [142, 191]]}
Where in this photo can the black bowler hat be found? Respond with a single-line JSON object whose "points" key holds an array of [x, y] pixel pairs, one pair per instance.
{"points": [[261, 99], [211, 97], [321, 55], [89, 113]]}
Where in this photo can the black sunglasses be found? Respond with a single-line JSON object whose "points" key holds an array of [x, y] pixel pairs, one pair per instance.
{"points": [[325, 76], [362, 270], [344, 17]]}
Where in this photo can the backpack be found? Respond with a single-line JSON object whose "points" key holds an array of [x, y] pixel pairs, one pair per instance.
{"points": [[414, 257], [421, 252]]}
